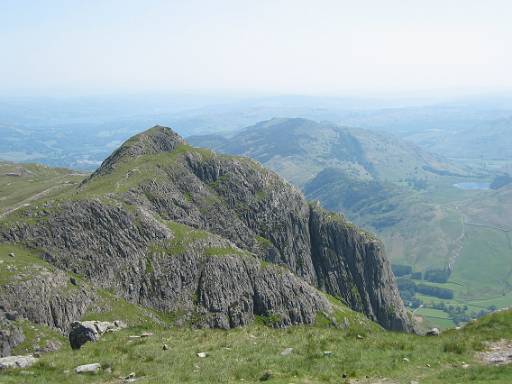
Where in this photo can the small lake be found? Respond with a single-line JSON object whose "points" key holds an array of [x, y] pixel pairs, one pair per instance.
{"points": [[473, 186]]}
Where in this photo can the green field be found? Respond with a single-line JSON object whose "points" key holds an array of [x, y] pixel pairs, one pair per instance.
{"points": [[485, 264], [435, 318]]}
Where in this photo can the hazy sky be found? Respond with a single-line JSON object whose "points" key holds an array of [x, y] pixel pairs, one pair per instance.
{"points": [[255, 46]]}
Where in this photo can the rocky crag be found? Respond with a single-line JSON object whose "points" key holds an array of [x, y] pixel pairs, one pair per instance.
{"points": [[218, 239]]}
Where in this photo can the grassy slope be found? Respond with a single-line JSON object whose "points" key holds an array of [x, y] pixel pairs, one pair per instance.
{"points": [[245, 354], [483, 252], [34, 181]]}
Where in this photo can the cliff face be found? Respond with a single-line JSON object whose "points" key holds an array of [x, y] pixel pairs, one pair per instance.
{"points": [[163, 265], [178, 228], [351, 264]]}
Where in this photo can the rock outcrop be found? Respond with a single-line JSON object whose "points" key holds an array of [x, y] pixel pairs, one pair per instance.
{"points": [[351, 264], [47, 297], [84, 331], [17, 361], [10, 333], [178, 228]]}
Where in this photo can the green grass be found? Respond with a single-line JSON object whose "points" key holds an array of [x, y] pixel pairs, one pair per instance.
{"points": [[244, 355], [485, 265], [183, 237], [33, 179], [263, 242], [36, 335], [435, 317], [111, 307], [25, 262]]}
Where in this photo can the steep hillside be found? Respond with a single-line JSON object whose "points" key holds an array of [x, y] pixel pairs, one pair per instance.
{"points": [[214, 240], [432, 214]]}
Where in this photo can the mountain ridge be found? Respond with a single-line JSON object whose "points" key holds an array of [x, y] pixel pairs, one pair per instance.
{"points": [[161, 223]]}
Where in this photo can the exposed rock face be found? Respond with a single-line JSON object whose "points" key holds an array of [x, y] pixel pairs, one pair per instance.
{"points": [[351, 264], [47, 298], [10, 335], [177, 228]]}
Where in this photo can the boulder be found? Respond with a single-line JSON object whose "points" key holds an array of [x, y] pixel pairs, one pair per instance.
{"points": [[84, 331], [88, 368], [433, 332], [286, 351], [12, 315], [17, 361], [81, 333]]}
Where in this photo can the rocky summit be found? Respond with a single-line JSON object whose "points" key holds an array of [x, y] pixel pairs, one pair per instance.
{"points": [[215, 240]]}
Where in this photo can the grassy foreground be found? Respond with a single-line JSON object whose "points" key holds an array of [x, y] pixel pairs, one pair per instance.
{"points": [[252, 354]]}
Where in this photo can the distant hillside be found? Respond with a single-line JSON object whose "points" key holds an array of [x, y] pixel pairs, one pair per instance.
{"points": [[487, 140], [300, 148]]}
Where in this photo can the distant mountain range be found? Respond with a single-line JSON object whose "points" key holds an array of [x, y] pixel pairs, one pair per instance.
{"points": [[80, 132], [490, 141], [299, 149]]}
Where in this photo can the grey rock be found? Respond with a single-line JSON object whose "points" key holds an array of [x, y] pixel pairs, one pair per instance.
{"points": [[12, 315], [10, 336], [17, 361], [433, 332], [44, 298], [12, 254], [120, 324], [84, 331], [88, 368], [155, 140], [131, 375], [351, 264], [81, 334], [286, 351]]}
